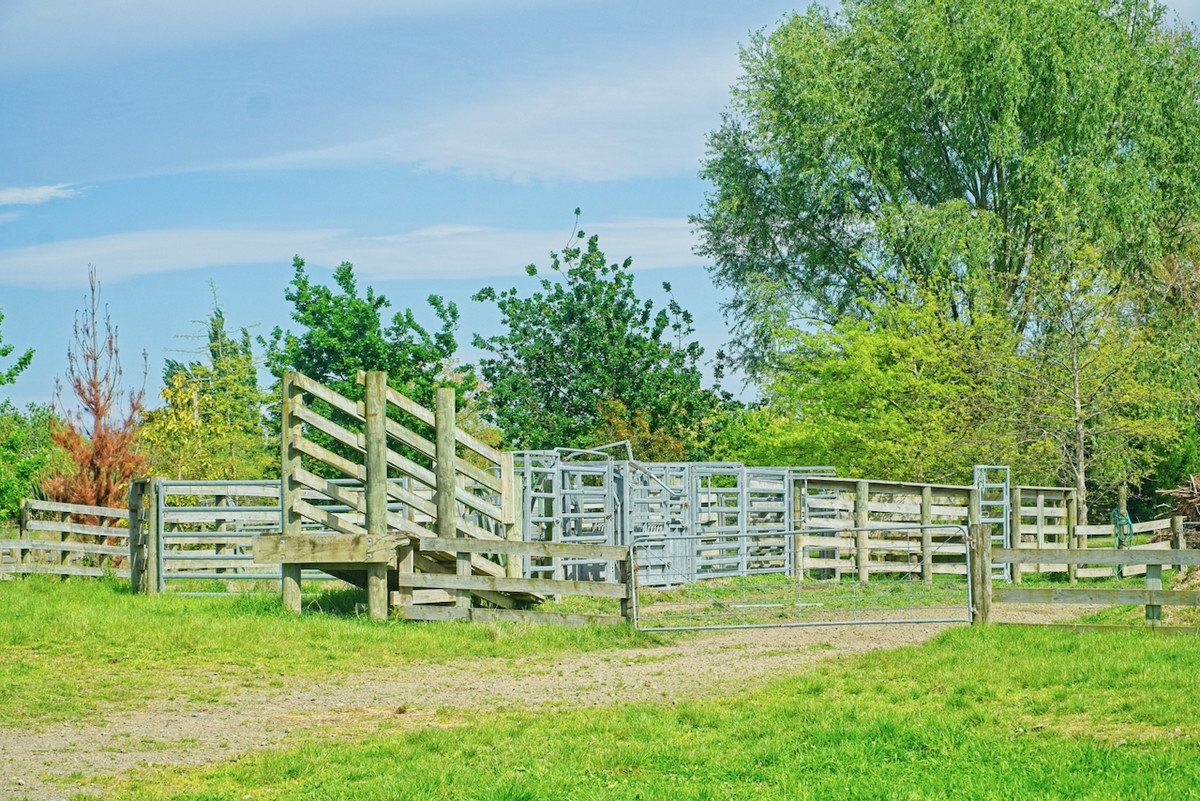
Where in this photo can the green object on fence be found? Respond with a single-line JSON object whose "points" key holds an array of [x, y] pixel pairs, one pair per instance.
{"points": [[1122, 536]]}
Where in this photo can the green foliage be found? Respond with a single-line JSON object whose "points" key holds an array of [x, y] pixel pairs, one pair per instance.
{"points": [[583, 360], [343, 333], [213, 425], [10, 375], [905, 149], [27, 455], [896, 394]]}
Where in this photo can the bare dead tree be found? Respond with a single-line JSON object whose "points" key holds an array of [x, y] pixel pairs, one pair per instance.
{"points": [[100, 435]]}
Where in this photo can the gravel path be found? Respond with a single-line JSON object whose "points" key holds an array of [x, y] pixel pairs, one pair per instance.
{"points": [[40, 765]]}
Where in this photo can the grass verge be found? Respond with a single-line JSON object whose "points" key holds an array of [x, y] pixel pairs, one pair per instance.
{"points": [[82, 648], [1002, 712]]}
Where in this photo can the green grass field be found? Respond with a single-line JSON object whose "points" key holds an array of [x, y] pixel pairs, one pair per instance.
{"points": [[999, 712], [86, 648]]}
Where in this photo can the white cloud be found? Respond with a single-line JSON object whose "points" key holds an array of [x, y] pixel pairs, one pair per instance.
{"points": [[35, 195], [617, 121], [9, 216], [445, 251], [41, 33]]}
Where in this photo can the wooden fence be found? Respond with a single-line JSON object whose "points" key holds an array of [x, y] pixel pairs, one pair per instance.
{"points": [[1039, 517], [66, 539], [1150, 560], [424, 514]]}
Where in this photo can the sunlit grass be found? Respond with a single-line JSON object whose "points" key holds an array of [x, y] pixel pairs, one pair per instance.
{"points": [[995, 713], [81, 648]]}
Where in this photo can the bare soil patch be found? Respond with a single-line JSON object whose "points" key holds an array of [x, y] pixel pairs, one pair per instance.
{"points": [[59, 761]]}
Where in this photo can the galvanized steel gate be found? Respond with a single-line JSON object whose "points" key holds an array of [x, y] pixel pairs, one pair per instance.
{"points": [[807, 577]]}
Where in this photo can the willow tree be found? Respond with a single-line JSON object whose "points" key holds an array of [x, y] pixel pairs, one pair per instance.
{"points": [[912, 149]]}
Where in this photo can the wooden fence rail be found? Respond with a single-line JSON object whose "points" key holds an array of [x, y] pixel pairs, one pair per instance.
{"points": [[450, 585], [1151, 559], [52, 540]]}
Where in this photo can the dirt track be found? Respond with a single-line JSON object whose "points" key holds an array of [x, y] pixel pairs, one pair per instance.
{"points": [[38, 765]]}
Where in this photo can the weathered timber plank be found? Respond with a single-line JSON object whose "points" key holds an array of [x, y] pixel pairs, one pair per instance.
{"points": [[548, 549], [311, 549], [35, 505], [424, 563], [326, 394], [66, 527], [595, 589], [1096, 556], [70, 547], [412, 407], [1152, 525], [407, 496], [410, 438], [33, 568], [327, 519], [1096, 595], [398, 522], [343, 495], [351, 439], [427, 417], [442, 562], [328, 457], [447, 613], [411, 468]]}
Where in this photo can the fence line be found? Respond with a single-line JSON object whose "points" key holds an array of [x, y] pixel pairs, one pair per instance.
{"points": [[53, 540], [1152, 559]]}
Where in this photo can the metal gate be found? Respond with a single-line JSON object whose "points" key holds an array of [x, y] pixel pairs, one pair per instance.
{"points": [[809, 577]]}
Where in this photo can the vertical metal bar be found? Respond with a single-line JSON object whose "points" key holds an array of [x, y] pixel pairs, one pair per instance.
{"points": [[1015, 529]]}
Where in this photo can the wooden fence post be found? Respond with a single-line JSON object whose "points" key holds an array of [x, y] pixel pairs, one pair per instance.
{"points": [[1072, 522], [1154, 582], [927, 534], [1014, 526], [862, 491], [289, 491], [376, 492], [446, 478], [1177, 540], [23, 555], [981, 573], [137, 545]]}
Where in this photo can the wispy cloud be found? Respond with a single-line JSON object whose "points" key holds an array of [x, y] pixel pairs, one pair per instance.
{"points": [[35, 195], [44, 33], [9, 216], [445, 251], [616, 121]]}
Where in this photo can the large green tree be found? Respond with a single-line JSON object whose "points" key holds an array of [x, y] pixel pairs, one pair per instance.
{"points": [[343, 332], [905, 149], [583, 361]]}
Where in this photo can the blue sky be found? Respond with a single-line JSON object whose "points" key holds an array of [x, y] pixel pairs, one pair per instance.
{"points": [[439, 145]]}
